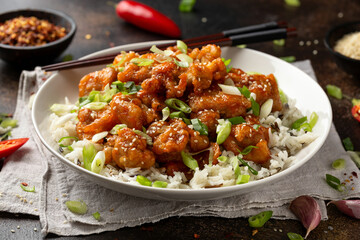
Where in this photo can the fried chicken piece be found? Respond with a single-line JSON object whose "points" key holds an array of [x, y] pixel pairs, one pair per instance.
{"points": [[209, 118], [130, 151], [207, 53], [96, 81]]}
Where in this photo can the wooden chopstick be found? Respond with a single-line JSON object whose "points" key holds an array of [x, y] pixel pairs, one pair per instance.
{"points": [[247, 35]]}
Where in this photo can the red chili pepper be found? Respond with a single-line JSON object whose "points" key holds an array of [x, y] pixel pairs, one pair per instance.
{"points": [[9, 146], [355, 111], [147, 18]]}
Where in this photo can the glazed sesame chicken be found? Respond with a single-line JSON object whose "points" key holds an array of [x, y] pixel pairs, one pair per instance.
{"points": [[96, 81]]}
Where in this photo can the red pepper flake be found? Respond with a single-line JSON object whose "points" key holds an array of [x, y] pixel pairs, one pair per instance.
{"points": [[196, 236], [24, 184], [354, 174], [150, 229], [350, 177], [344, 174], [254, 232], [352, 188], [347, 180]]}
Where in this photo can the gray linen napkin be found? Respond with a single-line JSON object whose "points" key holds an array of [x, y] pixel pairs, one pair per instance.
{"points": [[56, 184]]}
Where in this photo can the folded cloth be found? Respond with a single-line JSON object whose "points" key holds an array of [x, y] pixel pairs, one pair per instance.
{"points": [[56, 183]]}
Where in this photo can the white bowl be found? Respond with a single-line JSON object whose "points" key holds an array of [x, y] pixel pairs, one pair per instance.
{"points": [[296, 84]]}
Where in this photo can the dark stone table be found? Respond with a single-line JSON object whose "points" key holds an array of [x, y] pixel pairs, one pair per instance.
{"points": [[312, 19]]}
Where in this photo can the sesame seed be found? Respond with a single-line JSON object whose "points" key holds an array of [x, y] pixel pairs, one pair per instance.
{"points": [[111, 210], [316, 41], [315, 52], [308, 43], [31, 202], [301, 43], [65, 222], [35, 229], [18, 227], [12, 230], [64, 195], [56, 199], [340, 15], [88, 36], [280, 230], [36, 209]]}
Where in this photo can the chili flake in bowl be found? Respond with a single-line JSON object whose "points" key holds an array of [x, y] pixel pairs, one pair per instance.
{"points": [[29, 31], [31, 37]]}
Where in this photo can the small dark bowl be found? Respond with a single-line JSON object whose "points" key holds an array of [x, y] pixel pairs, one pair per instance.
{"points": [[35, 55], [349, 65]]}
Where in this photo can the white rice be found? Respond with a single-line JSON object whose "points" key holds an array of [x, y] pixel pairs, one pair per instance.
{"points": [[283, 145]]}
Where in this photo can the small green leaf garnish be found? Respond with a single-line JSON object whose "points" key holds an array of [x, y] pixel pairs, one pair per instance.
{"points": [[338, 164], [143, 180], [189, 161], [97, 216], [247, 150], [77, 207], [160, 184], [334, 91], [348, 145], [334, 182], [186, 5], [27, 188], [260, 219], [199, 126], [255, 107], [289, 59]]}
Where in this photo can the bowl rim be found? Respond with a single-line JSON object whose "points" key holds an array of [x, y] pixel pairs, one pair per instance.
{"points": [[331, 49], [49, 11]]}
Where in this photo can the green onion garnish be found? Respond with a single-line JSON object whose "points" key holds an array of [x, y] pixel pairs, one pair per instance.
{"points": [[144, 135], [289, 59], [8, 122], [241, 179], [68, 137], [253, 171], [160, 184], [355, 101], [98, 163], [236, 167], [297, 124], [186, 5], [185, 58], [260, 219], [338, 164], [293, 3], [166, 113], [97, 216], [67, 57], [89, 153], [313, 119], [189, 161], [227, 62], [117, 127], [223, 158], [294, 236], [178, 105], [177, 115], [256, 126], [180, 44], [236, 120], [241, 46], [142, 61], [245, 91], [247, 150], [223, 132], [355, 157], [78, 207], [27, 188], [279, 42], [143, 180], [199, 126], [95, 105], [334, 182], [181, 64], [283, 97], [255, 107], [334, 91], [348, 144]]}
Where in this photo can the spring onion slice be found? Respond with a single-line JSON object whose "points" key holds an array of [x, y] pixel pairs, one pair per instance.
{"points": [[199, 126], [313, 119], [245, 91], [334, 182], [168, 53], [283, 97], [294, 236], [8, 122], [184, 58], [181, 64], [97, 216], [155, 49], [279, 42], [143, 180], [99, 136], [142, 61], [241, 179], [260, 219], [98, 163], [78, 207], [181, 46], [177, 115], [60, 109], [255, 107], [223, 132], [247, 150], [256, 126], [166, 113], [338, 164], [236, 120], [160, 184], [178, 105], [296, 125], [288, 59], [355, 157], [27, 189], [293, 3], [266, 108], [186, 5], [334, 91], [89, 153], [232, 90], [95, 105], [189, 161], [253, 171], [348, 145], [236, 167], [117, 127], [68, 137], [223, 158], [144, 135]]}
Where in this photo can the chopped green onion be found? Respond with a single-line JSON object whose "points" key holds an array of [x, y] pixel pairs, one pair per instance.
{"points": [[266, 108], [334, 182], [293, 3], [117, 65], [27, 189], [95, 105], [189, 161], [306, 127], [143, 180], [223, 158], [247, 150], [260, 219], [186, 6], [241, 179], [294, 236], [227, 62], [334, 91], [253, 73], [236, 167], [78, 207], [8, 122], [68, 137], [155, 49], [166, 113], [297, 124], [97, 216], [185, 58], [313, 119], [98, 163], [283, 97], [223, 132], [289, 59], [144, 135], [348, 144], [232, 90], [177, 115], [279, 42], [89, 153], [236, 120], [181, 64], [255, 107], [160, 184], [355, 101], [117, 127], [256, 126], [199, 126], [67, 57], [241, 46], [181, 46], [61, 109], [245, 91], [178, 105], [253, 171], [142, 61], [355, 157], [338, 164]]}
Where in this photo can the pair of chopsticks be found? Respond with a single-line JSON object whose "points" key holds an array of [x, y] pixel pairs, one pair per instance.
{"points": [[244, 35]]}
